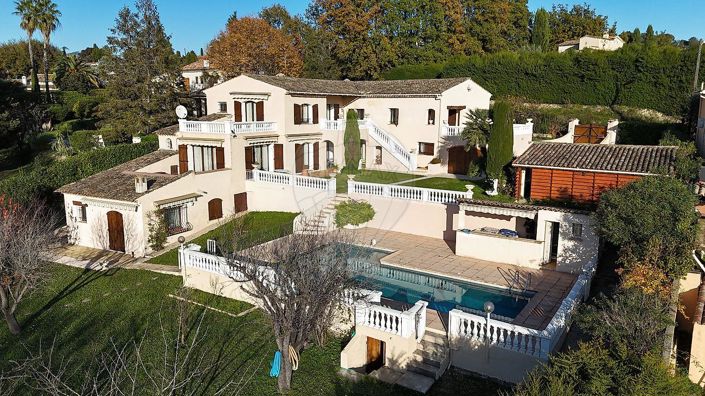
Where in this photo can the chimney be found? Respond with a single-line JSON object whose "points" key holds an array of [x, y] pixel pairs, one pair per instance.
{"points": [[206, 63], [606, 35], [141, 184]]}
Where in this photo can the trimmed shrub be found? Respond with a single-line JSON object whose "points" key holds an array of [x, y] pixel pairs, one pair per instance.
{"points": [[352, 141], [40, 182], [83, 140], [499, 146], [68, 127], [353, 213]]}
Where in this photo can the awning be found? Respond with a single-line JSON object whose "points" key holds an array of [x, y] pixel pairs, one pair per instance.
{"points": [[176, 201], [502, 211], [110, 204]]}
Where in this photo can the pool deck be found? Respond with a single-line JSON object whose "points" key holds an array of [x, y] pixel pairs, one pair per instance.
{"points": [[436, 256]]}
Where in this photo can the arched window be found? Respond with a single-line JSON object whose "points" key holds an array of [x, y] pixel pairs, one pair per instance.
{"points": [[169, 145], [431, 117], [215, 209]]}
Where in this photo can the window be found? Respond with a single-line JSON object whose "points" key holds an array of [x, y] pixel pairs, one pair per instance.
{"points": [[307, 155], [78, 210], [425, 148], [223, 106], [169, 145], [203, 158], [394, 116], [305, 113], [249, 111], [378, 155], [577, 231], [360, 114], [431, 117], [176, 219], [261, 156]]}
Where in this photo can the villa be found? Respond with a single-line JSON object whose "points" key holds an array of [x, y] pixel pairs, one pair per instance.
{"points": [[474, 283]]}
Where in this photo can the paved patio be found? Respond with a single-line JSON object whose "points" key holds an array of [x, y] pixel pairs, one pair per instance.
{"points": [[96, 259], [438, 257]]}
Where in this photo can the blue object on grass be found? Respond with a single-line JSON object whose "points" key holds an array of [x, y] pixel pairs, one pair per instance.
{"points": [[276, 364]]}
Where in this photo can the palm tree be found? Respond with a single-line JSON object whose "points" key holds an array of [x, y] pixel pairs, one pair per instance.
{"points": [[26, 10], [76, 69], [47, 21]]}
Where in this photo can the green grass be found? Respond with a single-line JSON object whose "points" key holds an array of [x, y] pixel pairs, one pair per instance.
{"points": [[260, 227], [371, 176], [80, 311], [451, 184]]}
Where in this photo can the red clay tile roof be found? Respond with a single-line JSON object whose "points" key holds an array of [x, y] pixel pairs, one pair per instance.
{"points": [[197, 65], [118, 184], [599, 157]]}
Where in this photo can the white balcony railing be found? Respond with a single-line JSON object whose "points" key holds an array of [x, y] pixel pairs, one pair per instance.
{"points": [[406, 324], [406, 193], [226, 127], [314, 183], [333, 125], [452, 130]]}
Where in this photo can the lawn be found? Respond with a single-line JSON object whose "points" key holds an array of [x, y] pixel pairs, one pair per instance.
{"points": [[445, 183], [372, 176], [260, 227], [80, 311]]}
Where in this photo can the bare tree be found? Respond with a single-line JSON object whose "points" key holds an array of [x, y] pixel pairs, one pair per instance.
{"points": [[298, 280], [26, 235], [187, 365]]}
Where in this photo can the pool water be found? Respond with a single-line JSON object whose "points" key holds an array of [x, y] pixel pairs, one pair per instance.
{"points": [[442, 294]]}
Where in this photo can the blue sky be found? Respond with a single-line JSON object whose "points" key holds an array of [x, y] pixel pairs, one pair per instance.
{"points": [[193, 24]]}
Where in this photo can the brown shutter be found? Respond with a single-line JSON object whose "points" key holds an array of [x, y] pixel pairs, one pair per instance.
{"points": [[215, 209], [297, 114], [240, 202], [336, 110], [278, 156], [249, 157], [259, 110], [238, 111], [219, 158], [183, 158], [174, 169], [316, 161], [299, 154], [315, 114]]}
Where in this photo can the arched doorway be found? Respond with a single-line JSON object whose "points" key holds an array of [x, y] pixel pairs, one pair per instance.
{"points": [[116, 231], [330, 154], [215, 209]]}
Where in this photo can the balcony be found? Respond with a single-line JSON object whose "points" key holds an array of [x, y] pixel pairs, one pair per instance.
{"points": [[452, 130], [339, 125], [226, 127]]}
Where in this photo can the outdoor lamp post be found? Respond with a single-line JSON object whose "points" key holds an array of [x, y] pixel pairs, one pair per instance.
{"points": [[181, 241], [488, 308]]}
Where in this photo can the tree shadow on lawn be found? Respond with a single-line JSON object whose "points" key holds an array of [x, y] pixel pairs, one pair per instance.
{"points": [[85, 278]]}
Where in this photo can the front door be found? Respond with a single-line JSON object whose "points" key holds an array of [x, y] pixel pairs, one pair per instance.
{"points": [[116, 232], [375, 354], [458, 160]]}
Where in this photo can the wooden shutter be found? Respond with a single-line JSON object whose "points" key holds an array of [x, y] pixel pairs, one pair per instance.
{"points": [[259, 111], [315, 114], [183, 158], [278, 156], [299, 153], [238, 111], [297, 114], [249, 157], [240, 202], [215, 209], [316, 162], [175, 169], [219, 158], [336, 110]]}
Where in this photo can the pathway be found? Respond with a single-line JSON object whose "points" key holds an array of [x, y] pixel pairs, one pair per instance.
{"points": [[99, 260]]}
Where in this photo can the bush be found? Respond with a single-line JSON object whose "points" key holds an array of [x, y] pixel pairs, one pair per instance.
{"points": [[83, 140], [40, 182], [654, 77], [66, 128], [353, 213], [112, 136]]}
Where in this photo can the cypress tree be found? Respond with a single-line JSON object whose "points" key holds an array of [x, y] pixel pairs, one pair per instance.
{"points": [[650, 36], [501, 142], [352, 141], [636, 36], [541, 32]]}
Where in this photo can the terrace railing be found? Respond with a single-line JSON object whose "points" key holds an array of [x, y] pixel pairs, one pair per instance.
{"points": [[407, 324], [296, 181], [406, 193], [226, 127]]}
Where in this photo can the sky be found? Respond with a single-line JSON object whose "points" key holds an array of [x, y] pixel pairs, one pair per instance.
{"points": [[193, 24]]}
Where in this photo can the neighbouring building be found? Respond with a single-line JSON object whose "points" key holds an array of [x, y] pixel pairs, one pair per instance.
{"points": [[608, 42], [581, 172], [689, 345], [196, 77]]}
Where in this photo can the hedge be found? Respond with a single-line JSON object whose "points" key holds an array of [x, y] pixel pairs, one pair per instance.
{"points": [[658, 78], [40, 182], [66, 128], [83, 140]]}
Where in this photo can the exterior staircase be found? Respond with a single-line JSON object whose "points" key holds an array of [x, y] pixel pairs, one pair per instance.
{"points": [[432, 356], [324, 220], [390, 143]]}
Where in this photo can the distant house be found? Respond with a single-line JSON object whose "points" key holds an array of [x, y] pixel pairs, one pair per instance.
{"points": [[581, 172], [198, 76], [607, 42]]}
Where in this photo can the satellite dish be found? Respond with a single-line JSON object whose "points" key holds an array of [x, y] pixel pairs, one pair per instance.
{"points": [[181, 111]]}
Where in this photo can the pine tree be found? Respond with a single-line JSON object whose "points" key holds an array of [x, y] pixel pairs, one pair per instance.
{"points": [[650, 36], [352, 141], [143, 75], [541, 33], [500, 145], [636, 36]]}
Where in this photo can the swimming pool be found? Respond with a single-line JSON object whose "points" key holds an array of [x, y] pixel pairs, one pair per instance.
{"points": [[442, 294]]}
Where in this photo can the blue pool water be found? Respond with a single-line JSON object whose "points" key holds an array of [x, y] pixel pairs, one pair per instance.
{"points": [[442, 294]]}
